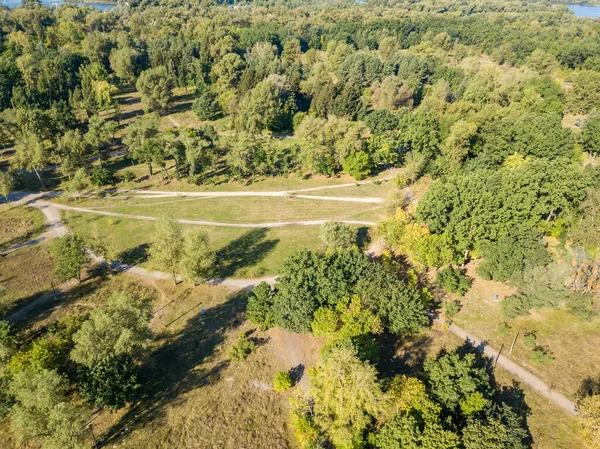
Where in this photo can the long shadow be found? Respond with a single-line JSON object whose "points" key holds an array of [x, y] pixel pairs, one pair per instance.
{"points": [[402, 355], [135, 256], [244, 251], [172, 369]]}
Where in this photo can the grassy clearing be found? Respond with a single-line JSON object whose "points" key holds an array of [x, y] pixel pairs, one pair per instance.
{"points": [[550, 427], [19, 224], [240, 252], [556, 330], [25, 274], [237, 209]]}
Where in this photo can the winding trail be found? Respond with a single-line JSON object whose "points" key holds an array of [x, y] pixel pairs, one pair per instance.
{"points": [[57, 228]]}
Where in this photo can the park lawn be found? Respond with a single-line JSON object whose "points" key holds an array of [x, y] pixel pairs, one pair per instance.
{"points": [[251, 209], [550, 426], [245, 253], [556, 330], [19, 224], [25, 274]]}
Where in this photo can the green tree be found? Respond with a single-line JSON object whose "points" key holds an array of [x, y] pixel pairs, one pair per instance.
{"points": [[119, 329], [590, 135], [123, 62], [155, 86], [71, 255], [141, 138], [167, 245], [458, 143], [260, 306], [111, 382], [197, 259], [31, 154], [358, 165], [347, 396], [74, 152], [6, 185], [41, 412], [335, 234], [241, 349], [584, 94], [267, 107]]}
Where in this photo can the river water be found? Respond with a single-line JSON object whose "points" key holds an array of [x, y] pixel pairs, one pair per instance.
{"points": [[592, 12]]}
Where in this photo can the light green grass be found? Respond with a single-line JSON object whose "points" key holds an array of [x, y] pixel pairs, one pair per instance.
{"points": [[236, 209]]}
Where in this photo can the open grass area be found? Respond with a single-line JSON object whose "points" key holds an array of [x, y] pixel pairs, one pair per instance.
{"points": [[236, 209], [556, 330], [24, 274], [19, 224], [240, 252]]}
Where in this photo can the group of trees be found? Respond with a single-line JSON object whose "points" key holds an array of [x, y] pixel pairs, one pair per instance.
{"points": [[330, 292], [455, 404], [94, 357], [188, 255], [360, 93]]}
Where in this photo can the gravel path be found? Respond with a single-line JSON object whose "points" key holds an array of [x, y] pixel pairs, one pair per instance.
{"points": [[525, 376]]}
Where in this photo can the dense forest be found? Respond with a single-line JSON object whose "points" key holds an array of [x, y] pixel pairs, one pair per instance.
{"points": [[490, 104]]}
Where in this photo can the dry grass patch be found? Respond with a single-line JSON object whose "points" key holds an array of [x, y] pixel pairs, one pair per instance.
{"points": [[25, 274], [19, 224]]}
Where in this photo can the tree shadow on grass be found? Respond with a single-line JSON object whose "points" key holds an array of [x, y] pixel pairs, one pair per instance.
{"points": [[136, 255], [245, 251], [403, 355], [173, 369]]}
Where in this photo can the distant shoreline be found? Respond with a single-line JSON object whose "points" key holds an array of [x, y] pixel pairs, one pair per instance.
{"points": [[96, 2]]}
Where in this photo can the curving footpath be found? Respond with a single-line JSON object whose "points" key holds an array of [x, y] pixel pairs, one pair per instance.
{"points": [[516, 370], [57, 228]]}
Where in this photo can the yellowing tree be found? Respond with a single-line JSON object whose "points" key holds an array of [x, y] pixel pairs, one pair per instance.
{"points": [[589, 416], [347, 395]]}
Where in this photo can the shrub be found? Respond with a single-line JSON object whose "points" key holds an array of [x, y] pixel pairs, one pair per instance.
{"points": [[128, 176], [241, 349], [100, 176], [453, 280], [515, 305], [452, 308], [580, 305], [337, 235], [530, 340], [282, 381], [503, 328], [541, 356]]}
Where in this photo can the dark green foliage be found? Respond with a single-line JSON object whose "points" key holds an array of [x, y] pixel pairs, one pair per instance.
{"points": [[381, 121], [100, 176], [110, 383], [260, 306], [401, 309], [452, 378], [510, 256], [590, 135], [309, 280], [205, 106], [453, 280], [360, 69]]}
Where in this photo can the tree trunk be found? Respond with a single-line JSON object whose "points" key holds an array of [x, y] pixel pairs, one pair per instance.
{"points": [[39, 178], [150, 168]]}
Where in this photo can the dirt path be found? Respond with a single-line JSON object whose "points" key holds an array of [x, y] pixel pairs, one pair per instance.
{"points": [[163, 194], [525, 376], [174, 122], [278, 224]]}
